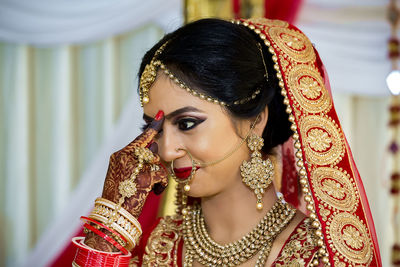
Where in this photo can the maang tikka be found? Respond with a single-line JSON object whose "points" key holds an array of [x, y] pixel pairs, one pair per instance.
{"points": [[257, 173]]}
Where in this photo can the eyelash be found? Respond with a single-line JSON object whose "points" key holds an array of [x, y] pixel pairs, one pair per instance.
{"points": [[179, 123], [182, 121]]}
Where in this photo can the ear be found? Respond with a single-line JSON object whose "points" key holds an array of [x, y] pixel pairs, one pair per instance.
{"points": [[261, 122]]}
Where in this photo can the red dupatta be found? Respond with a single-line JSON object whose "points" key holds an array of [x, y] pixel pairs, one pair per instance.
{"points": [[331, 184]]}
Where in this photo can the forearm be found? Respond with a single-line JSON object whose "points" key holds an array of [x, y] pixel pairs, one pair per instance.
{"points": [[97, 242]]}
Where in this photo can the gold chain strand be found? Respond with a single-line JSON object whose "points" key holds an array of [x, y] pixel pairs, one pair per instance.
{"points": [[202, 248], [207, 164]]}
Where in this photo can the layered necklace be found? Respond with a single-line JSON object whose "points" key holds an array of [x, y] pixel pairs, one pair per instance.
{"points": [[202, 248]]}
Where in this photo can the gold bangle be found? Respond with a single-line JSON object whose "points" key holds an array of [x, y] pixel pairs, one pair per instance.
{"points": [[125, 224], [123, 212]]}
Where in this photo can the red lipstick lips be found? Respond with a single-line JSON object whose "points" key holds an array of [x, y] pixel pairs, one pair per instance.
{"points": [[183, 173]]}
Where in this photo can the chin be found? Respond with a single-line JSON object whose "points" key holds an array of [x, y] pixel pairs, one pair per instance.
{"points": [[199, 190], [196, 192]]}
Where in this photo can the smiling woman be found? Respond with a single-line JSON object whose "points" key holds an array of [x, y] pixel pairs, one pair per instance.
{"points": [[213, 86]]}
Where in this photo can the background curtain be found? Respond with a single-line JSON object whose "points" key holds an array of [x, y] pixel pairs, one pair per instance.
{"points": [[60, 111], [68, 100], [48, 23]]}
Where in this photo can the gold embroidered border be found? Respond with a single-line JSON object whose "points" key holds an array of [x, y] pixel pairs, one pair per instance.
{"points": [[335, 188], [318, 137], [322, 140], [293, 44], [350, 238], [269, 22], [309, 89]]}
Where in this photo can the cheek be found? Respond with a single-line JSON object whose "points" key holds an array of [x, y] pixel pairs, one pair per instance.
{"points": [[212, 143], [213, 179]]}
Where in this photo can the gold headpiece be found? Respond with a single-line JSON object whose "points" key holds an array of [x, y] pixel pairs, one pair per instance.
{"points": [[150, 73]]}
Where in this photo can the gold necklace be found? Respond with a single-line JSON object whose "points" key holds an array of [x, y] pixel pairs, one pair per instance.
{"points": [[201, 247]]}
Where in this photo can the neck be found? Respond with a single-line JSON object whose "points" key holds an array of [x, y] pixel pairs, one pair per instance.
{"points": [[232, 214]]}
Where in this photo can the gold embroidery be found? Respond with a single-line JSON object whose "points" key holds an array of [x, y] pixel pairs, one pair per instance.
{"points": [[300, 249], [324, 212], [162, 245], [328, 155], [338, 263], [334, 188], [350, 238], [293, 43], [270, 22], [284, 62], [308, 89], [319, 140]]}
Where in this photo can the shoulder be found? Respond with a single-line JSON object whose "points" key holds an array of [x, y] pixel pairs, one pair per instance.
{"points": [[163, 242], [301, 246]]}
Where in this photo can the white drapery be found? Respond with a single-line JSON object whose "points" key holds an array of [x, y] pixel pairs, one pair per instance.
{"points": [[59, 108], [61, 105], [49, 23]]}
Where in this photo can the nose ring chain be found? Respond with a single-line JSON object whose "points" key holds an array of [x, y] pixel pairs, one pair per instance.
{"points": [[192, 172]]}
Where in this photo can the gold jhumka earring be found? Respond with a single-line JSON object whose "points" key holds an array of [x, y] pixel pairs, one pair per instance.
{"points": [[257, 173]]}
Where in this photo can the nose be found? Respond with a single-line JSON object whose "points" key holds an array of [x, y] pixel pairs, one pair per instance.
{"points": [[168, 144]]}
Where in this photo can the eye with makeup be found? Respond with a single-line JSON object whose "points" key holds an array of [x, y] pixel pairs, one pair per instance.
{"points": [[187, 123], [183, 123]]}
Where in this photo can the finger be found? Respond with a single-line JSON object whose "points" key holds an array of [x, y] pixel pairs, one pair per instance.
{"points": [[147, 136], [162, 182], [164, 178], [158, 188], [153, 147], [155, 126]]}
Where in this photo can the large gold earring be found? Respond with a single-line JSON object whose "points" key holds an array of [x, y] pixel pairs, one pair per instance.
{"points": [[257, 173]]}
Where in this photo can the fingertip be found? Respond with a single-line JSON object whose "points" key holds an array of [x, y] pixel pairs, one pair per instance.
{"points": [[156, 124], [158, 188], [153, 147], [159, 115]]}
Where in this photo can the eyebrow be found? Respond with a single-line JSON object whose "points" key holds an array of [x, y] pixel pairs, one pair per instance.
{"points": [[174, 113]]}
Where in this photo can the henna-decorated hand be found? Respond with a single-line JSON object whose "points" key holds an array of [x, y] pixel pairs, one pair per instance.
{"points": [[153, 176]]}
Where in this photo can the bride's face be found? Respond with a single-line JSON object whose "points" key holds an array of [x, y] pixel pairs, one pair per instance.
{"points": [[204, 129]]}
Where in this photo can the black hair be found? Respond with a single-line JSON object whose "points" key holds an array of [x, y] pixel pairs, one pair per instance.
{"points": [[223, 60]]}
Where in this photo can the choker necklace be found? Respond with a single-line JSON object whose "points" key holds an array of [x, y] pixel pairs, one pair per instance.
{"points": [[201, 247]]}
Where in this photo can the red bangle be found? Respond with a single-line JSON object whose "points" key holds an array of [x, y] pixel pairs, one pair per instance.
{"points": [[87, 219], [87, 256], [106, 237]]}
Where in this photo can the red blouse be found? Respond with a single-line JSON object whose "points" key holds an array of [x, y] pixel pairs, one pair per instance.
{"points": [[163, 245]]}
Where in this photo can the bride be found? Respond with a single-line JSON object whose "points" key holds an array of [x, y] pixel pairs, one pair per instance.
{"points": [[218, 99]]}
